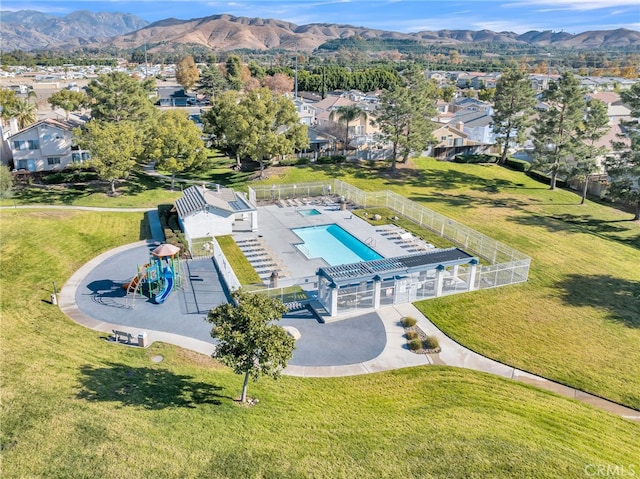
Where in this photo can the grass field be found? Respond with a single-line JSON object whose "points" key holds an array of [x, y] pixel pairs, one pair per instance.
{"points": [[75, 405], [577, 319]]}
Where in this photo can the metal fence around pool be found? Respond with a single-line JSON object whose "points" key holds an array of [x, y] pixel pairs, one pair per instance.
{"points": [[505, 264]]}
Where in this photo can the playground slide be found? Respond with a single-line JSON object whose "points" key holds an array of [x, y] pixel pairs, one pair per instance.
{"points": [[168, 286]]}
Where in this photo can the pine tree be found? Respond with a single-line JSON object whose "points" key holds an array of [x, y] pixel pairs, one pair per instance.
{"points": [[623, 167], [556, 134], [513, 104]]}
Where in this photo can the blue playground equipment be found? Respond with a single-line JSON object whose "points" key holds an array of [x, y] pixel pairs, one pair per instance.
{"points": [[158, 278], [168, 285]]}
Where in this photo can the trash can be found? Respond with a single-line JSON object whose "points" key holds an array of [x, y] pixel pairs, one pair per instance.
{"points": [[142, 340], [54, 299]]}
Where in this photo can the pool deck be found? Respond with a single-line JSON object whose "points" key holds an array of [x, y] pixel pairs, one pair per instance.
{"points": [[276, 238]]}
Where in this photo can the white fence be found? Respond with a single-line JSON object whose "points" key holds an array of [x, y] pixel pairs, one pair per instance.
{"points": [[506, 265]]}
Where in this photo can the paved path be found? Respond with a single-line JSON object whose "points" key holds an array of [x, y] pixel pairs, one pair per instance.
{"points": [[394, 356]]}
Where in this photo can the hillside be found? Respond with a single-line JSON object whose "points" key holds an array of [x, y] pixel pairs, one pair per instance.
{"points": [[33, 30], [30, 30]]}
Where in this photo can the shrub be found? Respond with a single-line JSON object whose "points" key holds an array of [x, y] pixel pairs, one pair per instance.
{"points": [[288, 162], [479, 158], [415, 345], [431, 342], [324, 160], [518, 165], [411, 335], [408, 321]]}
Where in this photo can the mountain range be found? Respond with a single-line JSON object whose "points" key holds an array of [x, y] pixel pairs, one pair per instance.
{"points": [[33, 30]]}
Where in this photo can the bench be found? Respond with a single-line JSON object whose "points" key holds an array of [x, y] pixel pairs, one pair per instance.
{"points": [[119, 336]]}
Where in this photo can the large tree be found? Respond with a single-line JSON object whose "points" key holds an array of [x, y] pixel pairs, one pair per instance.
{"points": [[176, 143], [347, 114], [556, 136], [68, 100], [273, 127], [118, 97], [404, 114], [211, 82], [514, 102], [113, 147], [187, 73], [227, 124], [234, 73], [594, 126], [623, 167], [249, 341]]}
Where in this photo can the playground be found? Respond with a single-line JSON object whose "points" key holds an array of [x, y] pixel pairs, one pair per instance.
{"points": [[139, 289]]}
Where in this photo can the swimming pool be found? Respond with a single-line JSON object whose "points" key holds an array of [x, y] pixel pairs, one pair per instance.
{"points": [[311, 212], [333, 244]]}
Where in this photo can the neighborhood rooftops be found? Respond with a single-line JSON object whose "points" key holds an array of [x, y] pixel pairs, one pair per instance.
{"points": [[198, 198]]}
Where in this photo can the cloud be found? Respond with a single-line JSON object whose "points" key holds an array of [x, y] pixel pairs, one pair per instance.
{"points": [[575, 5]]}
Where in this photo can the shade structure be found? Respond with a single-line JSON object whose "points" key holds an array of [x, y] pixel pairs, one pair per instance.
{"points": [[165, 250]]}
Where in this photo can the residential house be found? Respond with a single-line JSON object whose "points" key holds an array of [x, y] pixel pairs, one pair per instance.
{"points": [[171, 96], [471, 104], [478, 125], [46, 145], [488, 80], [361, 131], [306, 112], [452, 141]]}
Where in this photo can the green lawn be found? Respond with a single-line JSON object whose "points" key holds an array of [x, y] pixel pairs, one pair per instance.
{"points": [[75, 405], [577, 319], [138, 191]]}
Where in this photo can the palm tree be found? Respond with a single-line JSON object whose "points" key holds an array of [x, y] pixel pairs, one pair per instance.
{"points": [[25, 112], [347, 114]]}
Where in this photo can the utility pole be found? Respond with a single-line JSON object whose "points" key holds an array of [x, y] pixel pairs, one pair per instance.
{"points": [[146, 64], [295, 94]]}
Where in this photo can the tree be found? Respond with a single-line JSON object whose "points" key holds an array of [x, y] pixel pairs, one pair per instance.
{"points": [[6, 182], [404, 114], [176, 143], [8, 100], [211, 81], [113, 148], [226, 124], [272, 127], [117, 97], [347, 114], [68, 100], [623, 167], [248, 340], [24, 112], [556, 134], [595, 126], [514, 102], [278, 83], [234, 72], [187, 73]]}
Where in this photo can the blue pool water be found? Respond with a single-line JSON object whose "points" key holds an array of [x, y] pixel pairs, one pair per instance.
{"points": [[311, 212], [333, 244]]}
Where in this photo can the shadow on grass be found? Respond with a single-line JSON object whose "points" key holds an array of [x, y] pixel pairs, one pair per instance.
{"points": [[619, 297], [613, 230], [149, 388]]}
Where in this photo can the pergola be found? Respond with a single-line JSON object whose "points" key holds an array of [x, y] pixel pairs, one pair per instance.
{"points": [[403, 279]]}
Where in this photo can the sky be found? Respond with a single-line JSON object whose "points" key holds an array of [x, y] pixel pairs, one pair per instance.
{"points": [[519, 16]]}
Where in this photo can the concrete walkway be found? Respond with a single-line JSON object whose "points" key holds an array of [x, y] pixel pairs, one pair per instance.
{"points": [[395, 354]]}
